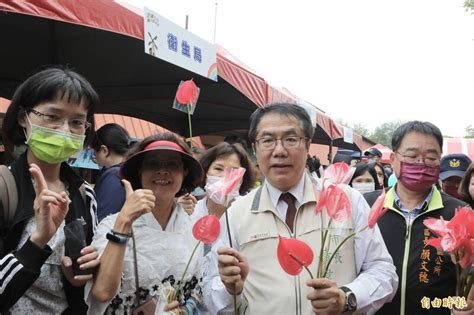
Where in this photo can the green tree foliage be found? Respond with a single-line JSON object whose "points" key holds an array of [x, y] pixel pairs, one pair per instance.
{"points": [[357, 127], [469, 5], [383, 133], [469, 131]]}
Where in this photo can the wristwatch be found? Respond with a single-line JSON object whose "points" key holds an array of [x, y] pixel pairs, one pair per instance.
{"points": [[351, 301], [115, 237]]}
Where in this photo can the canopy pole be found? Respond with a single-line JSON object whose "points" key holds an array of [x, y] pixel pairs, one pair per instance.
{"points": [[330, 152], [215, 22]]}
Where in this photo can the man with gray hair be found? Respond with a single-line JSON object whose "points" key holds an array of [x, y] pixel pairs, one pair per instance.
{"points": [[364, 277]]}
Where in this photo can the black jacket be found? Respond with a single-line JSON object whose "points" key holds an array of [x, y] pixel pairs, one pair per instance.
{"points": [[422, 273], [77, 209]]}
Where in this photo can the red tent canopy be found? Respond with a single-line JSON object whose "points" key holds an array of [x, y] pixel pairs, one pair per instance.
{"points": [[129, 81], [459, 145]]}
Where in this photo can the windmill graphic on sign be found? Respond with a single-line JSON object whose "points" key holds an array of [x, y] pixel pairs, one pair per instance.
{"points": [[152, 46]]}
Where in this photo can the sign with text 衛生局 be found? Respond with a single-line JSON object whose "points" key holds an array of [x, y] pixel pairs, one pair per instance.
{"points": [[172, 43]]}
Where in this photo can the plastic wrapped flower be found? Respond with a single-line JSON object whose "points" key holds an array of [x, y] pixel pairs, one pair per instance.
{"points": [[206, 230], [456, 239]]}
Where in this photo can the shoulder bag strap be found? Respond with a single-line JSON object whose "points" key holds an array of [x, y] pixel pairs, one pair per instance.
{"points": [[135, 267], [8, 195]]}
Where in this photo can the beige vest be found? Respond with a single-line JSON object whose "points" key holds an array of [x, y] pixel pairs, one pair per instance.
{"points": [[268, 289]]}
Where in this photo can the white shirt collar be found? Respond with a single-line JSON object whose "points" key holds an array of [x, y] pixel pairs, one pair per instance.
{"points": [[296, 191]]}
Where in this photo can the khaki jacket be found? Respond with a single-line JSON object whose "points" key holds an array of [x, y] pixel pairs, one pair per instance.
{"points": [[256, 227]]}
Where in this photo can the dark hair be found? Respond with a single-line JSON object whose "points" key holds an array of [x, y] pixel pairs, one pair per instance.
{"points": [[339, 157], [225, 149], [361, 168], [286, 109], [188, 184], [423, 127], [464, 185], [385, 177], [114, 137], [313, 163], [48, 85]]}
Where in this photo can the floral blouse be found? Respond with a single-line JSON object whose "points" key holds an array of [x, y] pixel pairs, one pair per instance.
{"points": [[161, 259]]}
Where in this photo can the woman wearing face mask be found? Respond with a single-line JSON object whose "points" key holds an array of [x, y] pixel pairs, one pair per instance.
{"points": [[110, 144], [214, 161], [365, 179], [53, 113]]}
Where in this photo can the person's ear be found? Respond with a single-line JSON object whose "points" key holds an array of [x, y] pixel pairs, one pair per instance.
{"points": [[22, 121], [105, 149], [392, 158]]}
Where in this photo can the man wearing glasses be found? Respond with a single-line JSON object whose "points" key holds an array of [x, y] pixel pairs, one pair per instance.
{"points": [[423, 273], [364, 277]]}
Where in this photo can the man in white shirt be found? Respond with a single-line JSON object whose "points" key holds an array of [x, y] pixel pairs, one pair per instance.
{"points": [[362, 279]]}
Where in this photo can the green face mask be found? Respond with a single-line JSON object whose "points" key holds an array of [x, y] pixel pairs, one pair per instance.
{"points": [[53, 146]]}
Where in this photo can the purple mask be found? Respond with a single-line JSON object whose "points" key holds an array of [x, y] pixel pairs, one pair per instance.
{"points": [[417, 176]]}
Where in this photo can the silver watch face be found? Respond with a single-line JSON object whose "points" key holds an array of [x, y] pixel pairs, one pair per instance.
{"points": [[351, 302]]}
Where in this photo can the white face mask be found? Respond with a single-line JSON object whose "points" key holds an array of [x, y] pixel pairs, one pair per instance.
{"points": [[364, 187]]}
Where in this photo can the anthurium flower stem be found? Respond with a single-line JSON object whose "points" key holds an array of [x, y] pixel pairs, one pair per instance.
{"points": [[324, 235], [190, 128], [230, 243], [338, 247], [302, 264], [186, 269]]}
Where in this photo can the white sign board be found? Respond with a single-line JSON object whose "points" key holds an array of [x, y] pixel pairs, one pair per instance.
{"points": [[172, 43], [348, 135], [310, 109]]}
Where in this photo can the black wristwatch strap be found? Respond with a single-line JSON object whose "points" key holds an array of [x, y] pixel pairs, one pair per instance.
{"points": [[351, 301], [117, 238]]}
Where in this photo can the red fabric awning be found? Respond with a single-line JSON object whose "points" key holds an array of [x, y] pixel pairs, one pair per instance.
{"points": [[459, 145], [120, 18]]}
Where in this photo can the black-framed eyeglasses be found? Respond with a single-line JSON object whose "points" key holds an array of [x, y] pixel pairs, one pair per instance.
{"points": [[289, 142], [54, 120], [428, 160]]}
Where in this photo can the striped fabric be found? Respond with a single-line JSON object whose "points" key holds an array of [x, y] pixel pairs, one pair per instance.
{"points": [[9, 267]]}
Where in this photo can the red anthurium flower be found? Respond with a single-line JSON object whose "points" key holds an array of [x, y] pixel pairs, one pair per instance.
{"points": [[378, 210], [187, 92], [452, 234], [233, 178], [338, 205], [464, 218], [321, 202], [226, 188], [323, 196], [338, 173], [207, 229], [293, 255]]}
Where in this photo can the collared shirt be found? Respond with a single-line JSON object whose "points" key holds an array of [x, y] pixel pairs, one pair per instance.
{"points": [[376, 281], [410, 214], [281, 206]]}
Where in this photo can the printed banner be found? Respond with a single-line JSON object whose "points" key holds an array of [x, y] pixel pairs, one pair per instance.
{"points": [[172, 43]]}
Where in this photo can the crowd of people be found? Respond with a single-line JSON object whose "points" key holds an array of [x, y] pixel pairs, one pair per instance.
{"points": [[123, 246]]}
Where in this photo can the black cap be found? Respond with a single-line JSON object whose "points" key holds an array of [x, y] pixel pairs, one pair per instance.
{"points": [[453, 165], [373, 151]]}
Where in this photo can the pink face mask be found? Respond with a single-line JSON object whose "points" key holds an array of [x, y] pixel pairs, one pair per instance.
{"points": [[417, 176], [452, 191]]}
